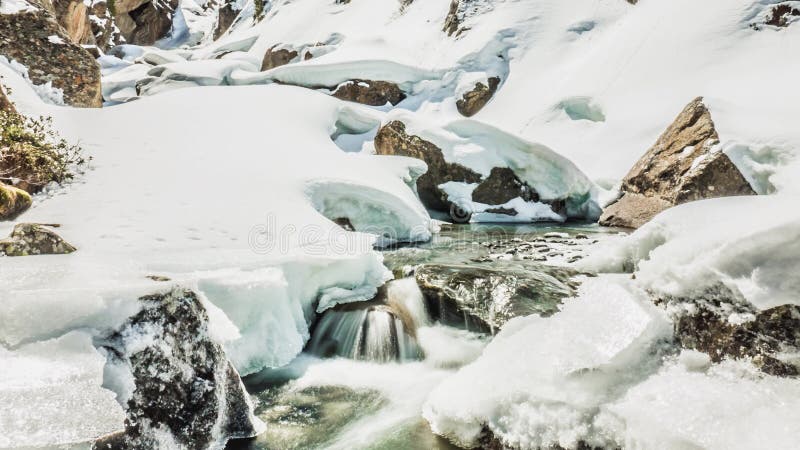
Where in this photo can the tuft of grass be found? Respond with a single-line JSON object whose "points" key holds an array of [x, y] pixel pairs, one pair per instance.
{"points": [[33, 155]]}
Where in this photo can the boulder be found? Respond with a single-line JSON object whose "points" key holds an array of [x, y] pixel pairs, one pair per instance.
{"points": [[73, 16], [452, 21], [503, 185], [225, 17], [484, 299], [782, 15], [368, 92], [474, 100], [37, 41], [719, 322], [104, 26], [34, 239], [684, 165], [392, 139], [275, 57], [143, 22], [185, 388], [13, 201]]}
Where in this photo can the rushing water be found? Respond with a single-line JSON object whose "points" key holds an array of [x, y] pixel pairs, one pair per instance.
{"points": [[369, 367]]}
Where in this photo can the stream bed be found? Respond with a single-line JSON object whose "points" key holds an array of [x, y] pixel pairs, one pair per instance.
{"points": [[364, 377]]}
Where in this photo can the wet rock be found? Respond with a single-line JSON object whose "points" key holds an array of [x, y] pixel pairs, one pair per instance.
{"points": [[682, 166], [473, 101], [185, 387], [13, 201], [143, 22], [392, 139], [34, 239], [275, 57], [368, 92], [484, 299], [503, 185], [719, 322], [37, 41]]}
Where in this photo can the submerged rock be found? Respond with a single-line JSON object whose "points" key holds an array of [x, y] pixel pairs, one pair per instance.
{"points": [[13, 201], [484, 299], [719, 322], [392, 139], [29, 239], [682, 166], [473, 101], [369, 92], [37, 41], [187, 394]]}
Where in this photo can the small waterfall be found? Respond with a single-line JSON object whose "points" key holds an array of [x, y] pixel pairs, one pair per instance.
{"points": [[381, 330]]}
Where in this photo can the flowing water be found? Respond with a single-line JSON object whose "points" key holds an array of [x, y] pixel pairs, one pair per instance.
{"points": [[369, 366]]}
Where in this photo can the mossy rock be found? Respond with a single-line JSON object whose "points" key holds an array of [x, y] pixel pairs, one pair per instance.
{"points": [[13, 201]]}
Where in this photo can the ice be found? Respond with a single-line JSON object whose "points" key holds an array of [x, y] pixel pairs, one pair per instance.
{"points": [[50, 394], [748, 243], [683, 406], [540, 381]]}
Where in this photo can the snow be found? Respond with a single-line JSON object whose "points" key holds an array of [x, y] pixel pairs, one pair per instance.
{"points": [[540, 382], [55, 39], [15, 7]]}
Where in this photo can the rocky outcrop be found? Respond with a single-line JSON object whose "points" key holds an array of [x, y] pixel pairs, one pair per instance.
{"points": [[451, 22], [782, 15], [484, 299], [225, 17], [719, 322], [143, 22], [392, 139], [73, 15], [187, 394], [29, 239], [682, 166], [276, 57], [474, 100], [13, 201], [104, 26], [39, 43], [369, 92], [503, 185]]}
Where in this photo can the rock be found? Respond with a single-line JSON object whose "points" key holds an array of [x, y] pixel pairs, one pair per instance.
{"points": [[34, 239], [104, 26], [185, 388], [143, 22], [682, 166], [704, 324], [277, 57], [13, 201], [473, 101], [781, 15], [503, 185], [368, 92], [484, 299], [6, 106], [73, 16], [451, 22], [392, 139], [39, 43], [225, 17]]}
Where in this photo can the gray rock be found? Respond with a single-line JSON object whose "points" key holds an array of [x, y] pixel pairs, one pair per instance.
{"points": [[503, 185], [34, 239], [185, 386], [681, 167], [484, 299]]}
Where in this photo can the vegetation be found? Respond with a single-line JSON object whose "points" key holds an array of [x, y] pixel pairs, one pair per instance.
{"points": [[32, 154]]}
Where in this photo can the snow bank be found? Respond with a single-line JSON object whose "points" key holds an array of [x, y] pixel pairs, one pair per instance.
{"points": [[540, 382], [748, 243], [685, 406]]}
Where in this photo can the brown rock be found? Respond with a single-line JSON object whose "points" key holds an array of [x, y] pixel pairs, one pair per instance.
{"points": [[276, 58], [473, 101], [34, 239], [392, 139], [679, 168], [225, 17], [143, 22], [451, 22], [503, 185], [106, 33], [368, 92], [781, 15], [25, 38], [13, 201], [5, 104], [73, 16]]}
